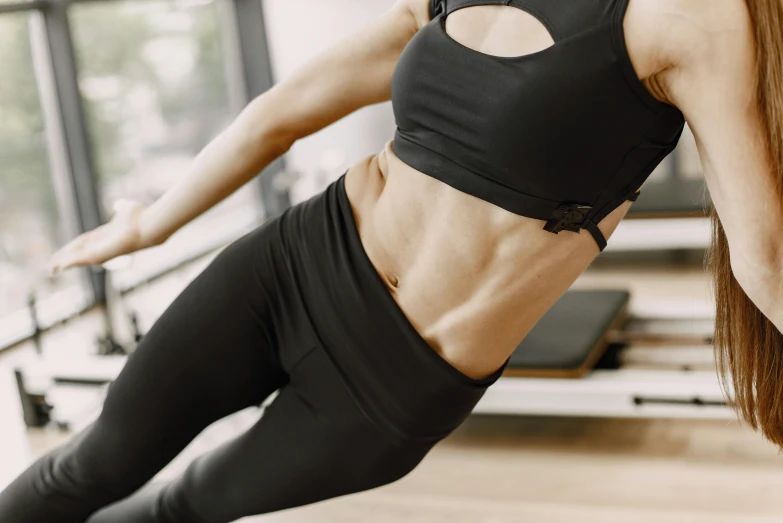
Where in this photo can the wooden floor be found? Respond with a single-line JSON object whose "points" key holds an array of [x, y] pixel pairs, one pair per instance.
{"points": [[504, 469]]}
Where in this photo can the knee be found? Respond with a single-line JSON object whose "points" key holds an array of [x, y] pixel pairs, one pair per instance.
{"points": [[91, 463], [59, 483]]}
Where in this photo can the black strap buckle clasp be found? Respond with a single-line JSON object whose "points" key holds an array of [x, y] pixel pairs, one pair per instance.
{"points": [[567, 216]]}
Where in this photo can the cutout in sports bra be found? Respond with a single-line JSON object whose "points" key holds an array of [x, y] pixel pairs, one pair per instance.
{"points": [[524, 23], [564, 134]]}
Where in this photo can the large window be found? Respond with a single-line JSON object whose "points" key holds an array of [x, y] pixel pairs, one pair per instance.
{"points": [[155, 81], [31, 227], [109, 99]]}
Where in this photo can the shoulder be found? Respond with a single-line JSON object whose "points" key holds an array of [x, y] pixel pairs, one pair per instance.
{"points": [[705, 44], [688, 32], [699, 32]]}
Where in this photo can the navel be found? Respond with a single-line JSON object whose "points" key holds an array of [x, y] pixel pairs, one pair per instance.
{"points": [[394, 281]]}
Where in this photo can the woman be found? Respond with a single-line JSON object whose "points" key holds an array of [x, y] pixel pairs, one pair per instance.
{"points": [[385, 306]]}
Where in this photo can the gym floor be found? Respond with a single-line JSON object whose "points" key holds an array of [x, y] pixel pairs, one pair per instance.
{"points": [[499, 469]]}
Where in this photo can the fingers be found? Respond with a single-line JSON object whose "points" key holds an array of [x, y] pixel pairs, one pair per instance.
{"points": [[71, 255], [117, 237], [61, 259]]}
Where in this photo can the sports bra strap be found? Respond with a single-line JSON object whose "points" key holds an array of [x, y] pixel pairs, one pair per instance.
{"points": [[592, 227]]}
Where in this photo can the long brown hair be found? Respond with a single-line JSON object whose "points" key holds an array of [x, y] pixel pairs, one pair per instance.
{"points": [[748, 347]]}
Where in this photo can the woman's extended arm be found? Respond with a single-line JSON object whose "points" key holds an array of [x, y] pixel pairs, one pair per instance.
{"points": [[355, 72], [345, 77], [229, 161]]}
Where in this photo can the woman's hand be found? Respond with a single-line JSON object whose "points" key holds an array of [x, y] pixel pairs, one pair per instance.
{"points": [[121, 235]]}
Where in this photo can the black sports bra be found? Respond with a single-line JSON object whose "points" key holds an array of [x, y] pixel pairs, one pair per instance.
{"points": [[565, 134]]}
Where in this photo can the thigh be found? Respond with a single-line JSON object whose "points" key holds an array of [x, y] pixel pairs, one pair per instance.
{"points": [[211, 353], [310, 444]]}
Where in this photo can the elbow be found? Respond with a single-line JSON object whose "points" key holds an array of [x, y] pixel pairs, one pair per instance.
{"points": [[260, 122]]}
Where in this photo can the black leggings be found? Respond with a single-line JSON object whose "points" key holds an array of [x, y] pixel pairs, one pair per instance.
{"points": [[294, 305]]}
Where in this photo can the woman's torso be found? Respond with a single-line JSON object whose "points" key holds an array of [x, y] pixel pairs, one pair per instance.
{"points": [[471, 277]]}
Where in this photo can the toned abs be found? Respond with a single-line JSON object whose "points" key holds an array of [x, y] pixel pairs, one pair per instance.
{"points": [[472, 278]]}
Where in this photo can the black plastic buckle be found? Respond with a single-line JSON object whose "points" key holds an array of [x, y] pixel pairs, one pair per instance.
{"points": [[437, 7], [568, 217]]}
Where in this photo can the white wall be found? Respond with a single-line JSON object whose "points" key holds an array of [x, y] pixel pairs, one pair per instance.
{"points": [[299, 30]]}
